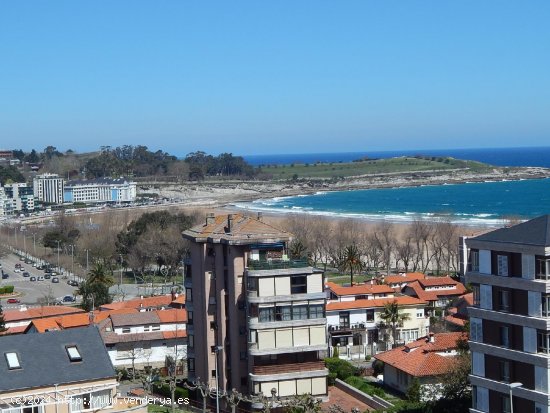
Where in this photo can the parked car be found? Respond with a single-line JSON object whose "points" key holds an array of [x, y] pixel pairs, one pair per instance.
{"points": [[41, 278], [69, 299], [13, 301], [17, 269], [5, 275], [55, 280], [26, 274], [32, 279], [47, 276], [73, 283]]}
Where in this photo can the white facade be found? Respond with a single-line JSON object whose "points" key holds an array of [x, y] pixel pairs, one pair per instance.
{"points": [[48, 188], [100, 190]]}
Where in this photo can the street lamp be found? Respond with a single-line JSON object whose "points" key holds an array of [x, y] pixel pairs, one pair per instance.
{"points": [[58, 267], [513, 386], [217, 350]]}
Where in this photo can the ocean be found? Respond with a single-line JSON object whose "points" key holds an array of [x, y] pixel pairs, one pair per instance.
{"points": [[478, 204]]}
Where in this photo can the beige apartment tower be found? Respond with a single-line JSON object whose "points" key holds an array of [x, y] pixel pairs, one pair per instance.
{"points": [[256, 316]]}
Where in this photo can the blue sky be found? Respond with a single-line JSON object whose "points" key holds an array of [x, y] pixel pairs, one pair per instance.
{"points": [[257, 77]]}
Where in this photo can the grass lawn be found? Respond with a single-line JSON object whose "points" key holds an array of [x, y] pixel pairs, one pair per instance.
{"points": [[364, 167], [346, 278]]}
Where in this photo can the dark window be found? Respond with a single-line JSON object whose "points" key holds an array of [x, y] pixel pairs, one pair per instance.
{"points": [[503, 300], [299, 312], [298, 285], [190, 318], [357, 339], [504, 336], [213, 373], [189, 294], [370, 315], [283, 313], [504, 367], [316, 311], [213, 325], [344, 319]]}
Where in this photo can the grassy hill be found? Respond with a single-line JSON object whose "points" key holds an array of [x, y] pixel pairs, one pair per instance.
{"points": [[369, 167]]}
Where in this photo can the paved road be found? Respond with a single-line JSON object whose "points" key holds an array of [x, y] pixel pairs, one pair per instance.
{"points": [[32, 292]]}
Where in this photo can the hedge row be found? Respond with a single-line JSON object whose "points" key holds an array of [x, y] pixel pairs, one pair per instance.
{"points": [[7, 289]]}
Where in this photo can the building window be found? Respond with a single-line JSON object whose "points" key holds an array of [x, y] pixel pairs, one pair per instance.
{"points": [[267, 314], [542, 268], [316, 311], [504, 336], [298, 285], [504, 366], [156, 327], [546, 305], [213, 325], [408, 335], [543, 342], [283, 313], [13, 361], [190, 318], [191, 364], [419, 313], [476, 293], [357, 339], [189, 294], [299, 312], [344, 319], [242, 355], [504, 301], [213, 373], [474, 260], [502, 265], [126, 330], [191, 341], [370, 315], [73, 353]]}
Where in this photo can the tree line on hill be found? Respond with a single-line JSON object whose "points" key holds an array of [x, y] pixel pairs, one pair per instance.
{"points": [[129, 160]]}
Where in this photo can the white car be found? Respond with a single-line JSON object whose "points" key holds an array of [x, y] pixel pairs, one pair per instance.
{"points": [[16, 270], [41, 278]]}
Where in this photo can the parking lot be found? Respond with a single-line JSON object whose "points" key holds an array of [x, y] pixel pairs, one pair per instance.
{"points": [[32, 292]]}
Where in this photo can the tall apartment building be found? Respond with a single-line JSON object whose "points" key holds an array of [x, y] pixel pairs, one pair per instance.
{"points": [[509, 271], [2, 201], [48, 188], [100, 190], [19, 198], [254, 315]]}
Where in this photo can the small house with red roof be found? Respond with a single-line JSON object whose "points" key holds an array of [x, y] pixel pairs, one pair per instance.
{"points": [[437, 291], [425, 359], [357, 292], [356, 328], [398, 281]]}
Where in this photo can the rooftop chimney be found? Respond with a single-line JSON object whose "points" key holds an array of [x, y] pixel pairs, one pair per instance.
{"points": [[210, 219], [431, 338], [229, 222]]}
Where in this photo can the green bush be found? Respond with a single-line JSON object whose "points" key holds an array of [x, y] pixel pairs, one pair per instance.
{"points": [[9, 289], [366, 387], [340, 369], [164, 390]]}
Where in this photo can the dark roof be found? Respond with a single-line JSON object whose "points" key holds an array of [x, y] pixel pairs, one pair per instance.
{"points": [[45, 362], [136, 319], [533, 232], [98, 181]]}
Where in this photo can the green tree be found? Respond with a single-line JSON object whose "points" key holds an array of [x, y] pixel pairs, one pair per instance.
{"points": [[351, 260], [2, 321], [413, 392], [394, 317], [99, 275], [93, 295]]}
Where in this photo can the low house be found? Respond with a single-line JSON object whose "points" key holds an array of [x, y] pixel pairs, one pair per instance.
{"points": [[158, 302], [58, 372], [401, 280], [357, 292], [19, 319], [425, 359], [437, 291], [457, 316], [356, 328]]}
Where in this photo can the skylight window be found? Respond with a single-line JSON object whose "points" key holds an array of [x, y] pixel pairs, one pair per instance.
{"points": [[13, 361], [74, 354]]}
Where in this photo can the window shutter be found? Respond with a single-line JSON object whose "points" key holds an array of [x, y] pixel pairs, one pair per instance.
{"points": [[528, 266], [529, 340], [534, 304], [486, 296]]}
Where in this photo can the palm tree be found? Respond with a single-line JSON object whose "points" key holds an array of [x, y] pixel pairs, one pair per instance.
{"points": [[392, 316], [98, 275], [351, 260]]}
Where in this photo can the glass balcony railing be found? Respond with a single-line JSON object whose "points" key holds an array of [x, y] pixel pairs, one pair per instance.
{"points": [[276, 264]]}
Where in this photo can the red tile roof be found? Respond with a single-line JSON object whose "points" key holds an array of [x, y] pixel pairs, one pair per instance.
{"points": [[437, 281], [145, 302], [420, 358], [172, 316], [434, 295], [405, 278], [364, 289], [38, 312], [174, 334], [373, 303]]}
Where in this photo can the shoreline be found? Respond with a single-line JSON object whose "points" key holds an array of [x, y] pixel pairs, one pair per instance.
{"points": [[224, 195]]}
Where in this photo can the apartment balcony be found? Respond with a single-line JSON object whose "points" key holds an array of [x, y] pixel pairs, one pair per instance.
{"points": [[288, 371], [255, 350], [539, 323], [254, 298], [255, 324], [343, 328], [501, 387], [537, 359], [262, 265], [539, 285]]}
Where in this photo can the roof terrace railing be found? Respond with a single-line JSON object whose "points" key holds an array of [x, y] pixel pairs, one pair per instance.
{"points": [[276, 264]]}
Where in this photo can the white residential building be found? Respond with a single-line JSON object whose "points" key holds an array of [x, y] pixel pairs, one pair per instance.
{"points": [[48, 188], [19, 197], [100, 190]]}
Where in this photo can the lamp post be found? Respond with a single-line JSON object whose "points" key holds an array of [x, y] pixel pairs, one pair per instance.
{"points": [[513, 386], [217, 350], [58, 267]]}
